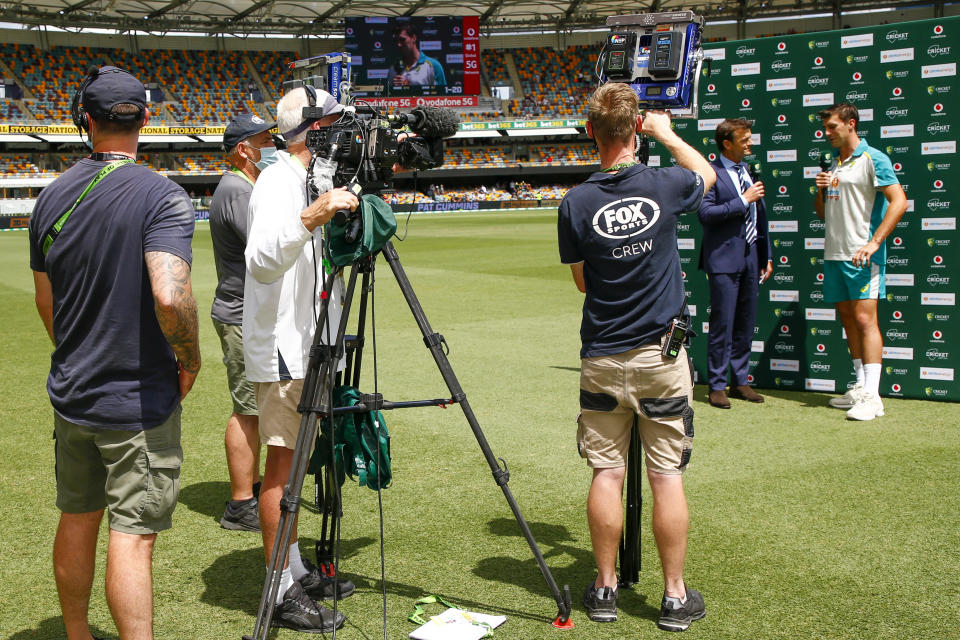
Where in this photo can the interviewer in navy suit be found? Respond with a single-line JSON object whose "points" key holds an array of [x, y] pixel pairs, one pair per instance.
{"points": [[736, 255]]}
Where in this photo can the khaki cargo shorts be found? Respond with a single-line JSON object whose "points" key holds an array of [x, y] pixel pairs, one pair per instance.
{"points": [[639, 384]]}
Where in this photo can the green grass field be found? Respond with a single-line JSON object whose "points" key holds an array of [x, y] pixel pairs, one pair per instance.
{"points": [[803, 525]]}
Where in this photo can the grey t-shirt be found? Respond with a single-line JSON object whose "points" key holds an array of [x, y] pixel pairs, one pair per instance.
{"points": [[228, 228]]}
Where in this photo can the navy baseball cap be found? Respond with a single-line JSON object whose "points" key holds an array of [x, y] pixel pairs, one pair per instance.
{"points": [[242, 127], [111, 86]]}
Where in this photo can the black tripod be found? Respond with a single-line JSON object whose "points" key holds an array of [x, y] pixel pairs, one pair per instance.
{"points": [[316, 402]]}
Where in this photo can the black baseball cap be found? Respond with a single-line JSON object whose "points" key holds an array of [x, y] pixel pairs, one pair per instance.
{"points": [[242, 127], [109, 87]]}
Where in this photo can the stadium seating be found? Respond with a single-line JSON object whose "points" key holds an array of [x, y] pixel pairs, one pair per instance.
{"points": [[22, 166], [203, 87]]}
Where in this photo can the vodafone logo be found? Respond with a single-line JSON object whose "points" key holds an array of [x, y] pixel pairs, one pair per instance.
{"points": [[818, 134], [745, 102], [818, 61], [784, 259], [377, 44], [937, 335], [781, 46], [750, 378], [784, 329], [938, 184], [683, 274], [897, 91], [897, 241], [937, 259], [895, 388], [857, 76], [712, 157], [456, 29], [819, 277], [938, 29], [897, 315], [711, 88], [897, 166], [938, 107], [349, 31], [782, 189], [821, 348], [781, 118]]}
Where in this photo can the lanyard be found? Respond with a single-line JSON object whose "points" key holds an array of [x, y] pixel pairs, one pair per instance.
{"points": [[54, 231], [242, 175]]}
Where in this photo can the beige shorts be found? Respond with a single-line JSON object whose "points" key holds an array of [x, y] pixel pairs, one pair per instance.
{"points": [[279, 419], [641, 384]]}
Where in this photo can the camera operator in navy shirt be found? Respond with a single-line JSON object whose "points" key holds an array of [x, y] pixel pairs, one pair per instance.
{"points": [[618, 233]]}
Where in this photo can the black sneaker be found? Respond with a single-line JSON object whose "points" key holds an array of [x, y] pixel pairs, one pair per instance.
{"points": [[677, 616], [601, 604], [300, 612], [241, 516], [320, 587]]}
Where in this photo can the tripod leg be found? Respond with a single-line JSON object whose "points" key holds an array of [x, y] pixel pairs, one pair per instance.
{"points": [[630, 540], [501, 475], [315, 401]]}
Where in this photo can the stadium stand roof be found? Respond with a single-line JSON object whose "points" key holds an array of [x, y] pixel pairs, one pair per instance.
{"points": [[248, 17]]}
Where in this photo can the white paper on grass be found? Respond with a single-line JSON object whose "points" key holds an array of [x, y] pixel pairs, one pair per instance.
{"points": [[455, 624]]}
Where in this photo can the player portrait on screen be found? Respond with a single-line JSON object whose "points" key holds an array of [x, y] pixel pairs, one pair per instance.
{"points": [[412, 66]]}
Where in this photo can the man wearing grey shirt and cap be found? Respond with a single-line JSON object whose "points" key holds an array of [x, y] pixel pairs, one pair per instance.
{"points": [[250, 149]]}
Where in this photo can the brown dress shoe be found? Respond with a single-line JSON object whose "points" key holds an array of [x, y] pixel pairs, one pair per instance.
{"points": [[718, 398], [745, 392]]}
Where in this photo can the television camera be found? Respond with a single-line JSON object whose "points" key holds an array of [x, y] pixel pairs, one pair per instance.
{"points": [[364, 147]]}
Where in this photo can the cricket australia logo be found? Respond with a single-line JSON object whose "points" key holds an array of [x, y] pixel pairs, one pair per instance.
{"points": [[626, 218]]}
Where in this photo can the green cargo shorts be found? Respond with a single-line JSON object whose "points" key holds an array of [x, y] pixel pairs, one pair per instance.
{"points": [[135, 475], [241, 389]]}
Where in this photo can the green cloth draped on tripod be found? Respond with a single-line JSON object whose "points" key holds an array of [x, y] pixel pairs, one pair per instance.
{"points": [[379, 225], [361, 442]]}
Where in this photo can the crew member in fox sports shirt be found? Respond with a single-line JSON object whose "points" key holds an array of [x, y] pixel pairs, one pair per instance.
{"points": [[618, 233], [861, 202]]}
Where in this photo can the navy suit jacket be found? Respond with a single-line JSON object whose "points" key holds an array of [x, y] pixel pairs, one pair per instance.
{"points": [[723, 216]]}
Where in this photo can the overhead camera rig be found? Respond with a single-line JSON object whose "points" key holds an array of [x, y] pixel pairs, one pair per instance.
{"points": [[659, 56]]}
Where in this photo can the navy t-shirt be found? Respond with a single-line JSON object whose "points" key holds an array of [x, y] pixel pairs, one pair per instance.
{"points": [[623, 227], [112, 367]]}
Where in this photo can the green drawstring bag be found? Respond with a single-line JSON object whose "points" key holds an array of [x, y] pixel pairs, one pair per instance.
{"points": [[361, 443], [379, 225]]}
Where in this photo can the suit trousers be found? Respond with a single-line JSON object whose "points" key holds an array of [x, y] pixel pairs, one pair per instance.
{"points": [[733, 313]]}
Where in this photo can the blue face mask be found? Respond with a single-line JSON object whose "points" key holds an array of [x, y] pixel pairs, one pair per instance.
{"points": [[268, 155]]}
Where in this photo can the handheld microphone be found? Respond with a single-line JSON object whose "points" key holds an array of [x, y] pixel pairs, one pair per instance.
{"points": [[429, 122], [755, 171], [826, 159]]}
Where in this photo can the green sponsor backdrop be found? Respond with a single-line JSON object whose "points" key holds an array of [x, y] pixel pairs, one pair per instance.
{"points": [[903, 79]]}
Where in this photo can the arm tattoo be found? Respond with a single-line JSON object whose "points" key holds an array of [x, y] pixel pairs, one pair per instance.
{"points": [[175, 306]]}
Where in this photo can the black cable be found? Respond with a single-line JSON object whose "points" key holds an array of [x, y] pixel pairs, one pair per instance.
{"points": [[406, 224], [376, 390]]}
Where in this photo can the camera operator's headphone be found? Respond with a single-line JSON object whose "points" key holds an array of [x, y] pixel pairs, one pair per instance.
{"points": [[80, 118], [311, 94]]}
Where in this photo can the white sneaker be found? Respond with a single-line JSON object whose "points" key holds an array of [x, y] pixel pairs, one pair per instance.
{"points": [[847, 400], [868, 407]]}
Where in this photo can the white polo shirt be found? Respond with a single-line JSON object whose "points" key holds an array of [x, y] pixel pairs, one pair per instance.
{"points": [[854, 205]]}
